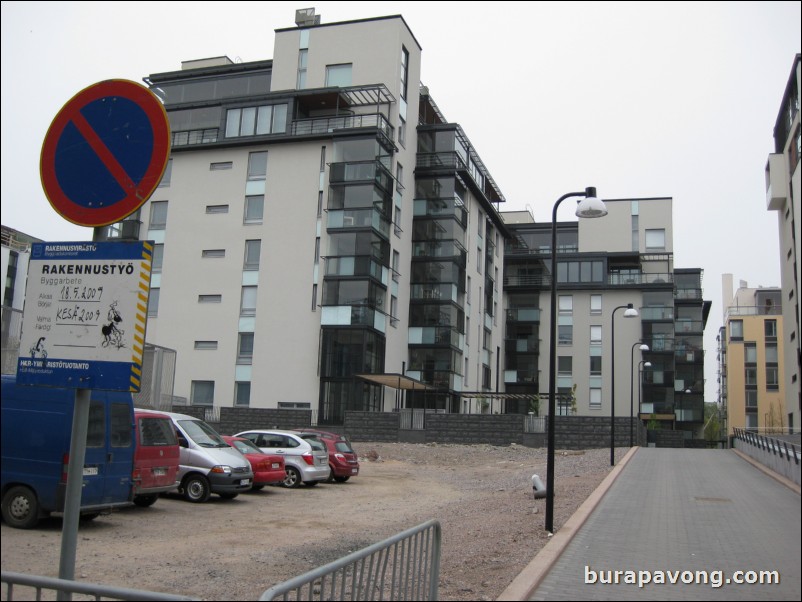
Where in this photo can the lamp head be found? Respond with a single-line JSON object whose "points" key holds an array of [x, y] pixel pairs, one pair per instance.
{"points": [[647, 364], [591, 206], [631, 312], [644, 347]]}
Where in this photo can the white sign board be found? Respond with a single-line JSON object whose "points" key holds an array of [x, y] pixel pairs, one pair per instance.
{"points": [[85, 315]]}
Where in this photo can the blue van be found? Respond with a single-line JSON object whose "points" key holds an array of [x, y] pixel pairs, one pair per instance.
{"points": [[36, 433]]}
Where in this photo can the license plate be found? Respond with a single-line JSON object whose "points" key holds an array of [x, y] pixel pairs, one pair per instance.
{"points": [[90, 471], [276, 465], [159, 472], [245, 482], [354, 470]]}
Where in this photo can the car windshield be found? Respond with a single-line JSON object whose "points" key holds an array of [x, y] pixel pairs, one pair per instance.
{"points": [[202, 434], [246, 446]]}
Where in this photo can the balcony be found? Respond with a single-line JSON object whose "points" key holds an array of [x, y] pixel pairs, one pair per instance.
{"points": [[326, 125], [359, 218], [361, 171], [776, 182], [523, 314]]}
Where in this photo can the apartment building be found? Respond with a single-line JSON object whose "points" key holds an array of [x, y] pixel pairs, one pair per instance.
{"points": [[783, 182], [14, 256], [324, 237], [751, 383], [603, 265]]}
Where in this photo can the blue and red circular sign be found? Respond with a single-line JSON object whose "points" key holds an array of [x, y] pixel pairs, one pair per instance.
{"points": [[105, 153]]}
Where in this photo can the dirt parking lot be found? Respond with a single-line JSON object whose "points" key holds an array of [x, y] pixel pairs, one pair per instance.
{"points": [[236, 549]]}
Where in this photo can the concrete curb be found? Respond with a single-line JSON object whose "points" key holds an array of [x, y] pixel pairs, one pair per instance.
{"points": [[766, 470], [527, 581]]}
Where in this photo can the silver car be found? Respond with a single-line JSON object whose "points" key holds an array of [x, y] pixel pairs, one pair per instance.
{"points": [[306, 460]]}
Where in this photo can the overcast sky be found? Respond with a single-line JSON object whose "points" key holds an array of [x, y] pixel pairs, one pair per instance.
{"points": [[640, 99]]}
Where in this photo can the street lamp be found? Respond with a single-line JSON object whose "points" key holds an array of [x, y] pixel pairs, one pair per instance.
{"points": [[641, 364], [630, 312], [643, 348], [590, 206]]}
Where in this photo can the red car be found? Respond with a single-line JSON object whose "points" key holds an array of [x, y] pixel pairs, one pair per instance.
{"points": [[343, 460], [268, 469]]}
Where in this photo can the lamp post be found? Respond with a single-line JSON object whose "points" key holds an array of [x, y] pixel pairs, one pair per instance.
{"points": [[641, 364], [643, 348], [630, 312], [590, 206]]}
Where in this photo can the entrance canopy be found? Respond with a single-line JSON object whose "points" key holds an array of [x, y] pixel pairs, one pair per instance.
{"points": [[396, 381]]}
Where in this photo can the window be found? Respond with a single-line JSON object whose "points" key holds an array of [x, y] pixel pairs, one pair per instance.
{"points": [[167, 175], [120, 425], [393, 311], [222, 165], [772, 378], [245, 348], [153, 302], [771, 353], [253, 249], [656, 239], [303, 56], [595, 398], [750, 353], [399, 177], [242, 394], [250, 121], [397, 221], [257, 166], [736, 330], [202, 393], [254, 208], [158, 215], [396, 265], [158, 259], [565, 365], [402, 131], [248, 302], [595, 304], [404, 72], [750, 376], [770, 329], [595, 365], [215, 209], [565, 334], [595, 335], [213, 253], [565, 304], [210, 298], [338, 75], [205, 345], [750, 400]]}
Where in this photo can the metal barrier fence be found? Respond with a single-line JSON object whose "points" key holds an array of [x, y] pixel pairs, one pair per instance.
{"points": [[403, 567], [535, 424], [68, 587], [779, 447]]}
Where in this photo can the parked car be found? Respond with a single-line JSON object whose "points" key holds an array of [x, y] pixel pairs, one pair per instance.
{"points": [[305, 460], [156, 457], [268, 469], [343, 460], [208, 464]]}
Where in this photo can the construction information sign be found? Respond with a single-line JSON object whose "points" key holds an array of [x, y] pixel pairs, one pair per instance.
{"points": [[86, 307]]}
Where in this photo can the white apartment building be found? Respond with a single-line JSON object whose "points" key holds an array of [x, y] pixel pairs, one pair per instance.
{"points": [[325, 239], [783, 182]]}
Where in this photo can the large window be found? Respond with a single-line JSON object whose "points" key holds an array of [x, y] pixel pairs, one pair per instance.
{"points": [[248, 302], [770, 327], [202, 393], [254, 209], [256, 121], [656, 239], [257, 166], [158, 215], [245, 348], [595, 365], [565, 304], [595, 335], [253, 249], [242, 394], [736, 330], [595, 399], [338, 75]]}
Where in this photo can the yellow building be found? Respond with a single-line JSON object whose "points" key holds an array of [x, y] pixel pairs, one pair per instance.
{"points": [[750, 359]]}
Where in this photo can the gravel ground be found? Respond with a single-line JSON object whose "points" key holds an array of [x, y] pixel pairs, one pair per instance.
{"points": [[235, 549]]}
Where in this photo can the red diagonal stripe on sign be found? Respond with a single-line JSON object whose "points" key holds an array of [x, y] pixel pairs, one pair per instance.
{"points": [[104, 154]]}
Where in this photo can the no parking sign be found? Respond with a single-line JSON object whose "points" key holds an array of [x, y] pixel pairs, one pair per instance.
{"points": [[105, 153]]}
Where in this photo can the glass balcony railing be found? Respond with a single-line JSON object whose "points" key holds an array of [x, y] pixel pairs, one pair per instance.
{"points": [[361, 171], [359, 218], [523, 314], [324, 125]]}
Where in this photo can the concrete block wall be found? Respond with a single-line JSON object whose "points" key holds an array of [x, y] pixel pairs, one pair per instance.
{"points": [[236, 420], [493, 429]]}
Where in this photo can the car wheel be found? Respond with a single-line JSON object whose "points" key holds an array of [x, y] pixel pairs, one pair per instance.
{"points": [[89, 517], [228, 496], [331, 475], [143, 501], [196, 489], [20, 508], [292, 478], [310, 483], [341, 479]]}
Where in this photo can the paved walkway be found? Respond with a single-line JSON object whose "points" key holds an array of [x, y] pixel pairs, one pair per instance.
{"points": [[709, 512]]}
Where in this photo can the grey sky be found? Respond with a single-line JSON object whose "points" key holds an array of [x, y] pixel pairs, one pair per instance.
{"points": [[639, 99]]}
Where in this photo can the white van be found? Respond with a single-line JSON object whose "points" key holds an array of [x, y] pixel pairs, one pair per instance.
{"points": [[208, 464]]}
